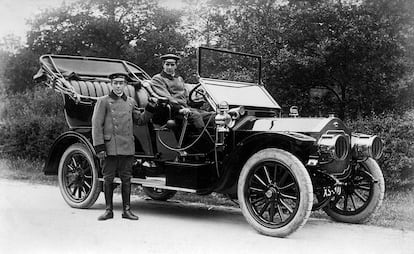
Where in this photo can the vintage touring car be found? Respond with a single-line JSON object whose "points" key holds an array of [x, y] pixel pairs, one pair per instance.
{"points": [[278, 168]]}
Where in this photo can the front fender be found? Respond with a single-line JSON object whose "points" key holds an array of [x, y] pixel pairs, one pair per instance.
{"points": [[298, 144], [60, 145]]}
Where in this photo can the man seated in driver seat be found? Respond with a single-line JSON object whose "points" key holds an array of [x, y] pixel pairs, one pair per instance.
{"points": [[169, 85]]}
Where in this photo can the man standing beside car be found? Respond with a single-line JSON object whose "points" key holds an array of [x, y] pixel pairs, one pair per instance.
{"points": [[113, 139]]}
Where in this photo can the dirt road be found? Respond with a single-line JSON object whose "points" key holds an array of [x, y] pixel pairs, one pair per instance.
{"points": [[35, 219]]}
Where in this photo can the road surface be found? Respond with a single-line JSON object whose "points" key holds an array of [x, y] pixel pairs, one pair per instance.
{"points": [[35, 219]]}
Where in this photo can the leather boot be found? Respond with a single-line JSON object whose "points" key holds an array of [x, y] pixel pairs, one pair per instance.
{"points": [[108, 191], [126, 195]]}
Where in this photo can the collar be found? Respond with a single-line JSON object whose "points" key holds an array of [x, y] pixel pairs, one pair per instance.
{"points": [[115, 97], [168, 76]]}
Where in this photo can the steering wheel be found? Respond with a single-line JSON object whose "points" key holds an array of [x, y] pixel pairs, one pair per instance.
{"points": [[197, 95]]}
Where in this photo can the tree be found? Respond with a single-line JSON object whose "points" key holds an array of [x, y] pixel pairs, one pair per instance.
{"points": [[133, 30], [356, 51], [19, 70], [160, 38], [10, 43]]}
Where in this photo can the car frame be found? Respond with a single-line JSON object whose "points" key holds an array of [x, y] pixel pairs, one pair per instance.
{"points": [[278, 168]]}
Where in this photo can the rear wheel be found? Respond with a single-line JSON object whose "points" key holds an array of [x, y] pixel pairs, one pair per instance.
{"points": [[361, 195], [275, 192], [159, 194], [78, 177]]}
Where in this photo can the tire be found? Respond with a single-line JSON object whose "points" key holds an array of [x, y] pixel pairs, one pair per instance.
{"points": [[275, 192], [361, 197], [78, 177], [159, 194]]}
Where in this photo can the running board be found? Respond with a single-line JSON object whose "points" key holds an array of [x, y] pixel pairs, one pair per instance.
{"points": [[154, 182]]}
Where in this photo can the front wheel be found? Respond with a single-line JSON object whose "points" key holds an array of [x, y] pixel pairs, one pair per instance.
{"points": [[78, 177], [159, 194], [361, 195], [275, 192]]}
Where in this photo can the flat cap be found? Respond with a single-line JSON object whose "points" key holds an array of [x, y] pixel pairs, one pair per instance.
{"points": [[119, 75], [170, 56]]}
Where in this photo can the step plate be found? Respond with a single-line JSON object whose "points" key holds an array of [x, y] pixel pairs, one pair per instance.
{"points": [[154, 182]]}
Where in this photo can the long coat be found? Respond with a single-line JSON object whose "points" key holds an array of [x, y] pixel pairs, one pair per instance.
{"points": [[112, 124]]}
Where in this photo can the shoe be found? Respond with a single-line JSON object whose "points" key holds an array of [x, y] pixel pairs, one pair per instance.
{"points": [[107, 215], [126, 196], [108, 191], [127, 214]]}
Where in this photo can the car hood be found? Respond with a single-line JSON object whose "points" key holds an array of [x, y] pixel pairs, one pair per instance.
{"points": [[311, 126]]}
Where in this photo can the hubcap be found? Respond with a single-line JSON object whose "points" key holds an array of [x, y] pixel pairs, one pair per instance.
{"points": [[272, 193]]}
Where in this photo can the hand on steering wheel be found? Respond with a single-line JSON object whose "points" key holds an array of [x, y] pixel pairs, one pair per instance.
{"points": [[197, 94], [184, 111]]}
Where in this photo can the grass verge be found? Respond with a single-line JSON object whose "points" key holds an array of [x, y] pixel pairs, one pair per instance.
{"points": [[397, 210], [22, 169]]}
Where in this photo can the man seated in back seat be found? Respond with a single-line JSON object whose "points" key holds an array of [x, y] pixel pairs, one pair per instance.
{"points": [[171, 86]]}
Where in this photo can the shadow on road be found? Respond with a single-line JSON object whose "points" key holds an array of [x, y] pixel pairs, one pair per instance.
{"points": [[178, 209]]}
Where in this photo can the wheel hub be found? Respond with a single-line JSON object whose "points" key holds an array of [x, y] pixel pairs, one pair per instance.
{"points": [[271, 193], [78, 175], [349, 187]]}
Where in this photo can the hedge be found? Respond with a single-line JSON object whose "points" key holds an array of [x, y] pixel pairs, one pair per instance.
{"points": [[32, 120], [397, 132]]}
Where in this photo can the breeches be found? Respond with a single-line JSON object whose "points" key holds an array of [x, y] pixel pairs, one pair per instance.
{"points": [[198, 117], [118, 163]]}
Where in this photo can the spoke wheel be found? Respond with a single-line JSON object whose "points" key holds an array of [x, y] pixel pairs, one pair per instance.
{"points": [[78, 177], [159, 194], [275, 192], [360, 196]]}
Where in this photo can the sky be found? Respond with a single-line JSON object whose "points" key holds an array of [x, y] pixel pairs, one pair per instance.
{"points": [[14, 13]]}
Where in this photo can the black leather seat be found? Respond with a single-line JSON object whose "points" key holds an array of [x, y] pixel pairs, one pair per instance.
{"points": [[79, 115], [96, 88]]}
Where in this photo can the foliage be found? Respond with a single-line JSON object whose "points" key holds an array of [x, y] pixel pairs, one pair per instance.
{"points": [[348, 49], [19, 70], [397, 132], [32, 121], [160, 39], [136, 31], [357, 52]]}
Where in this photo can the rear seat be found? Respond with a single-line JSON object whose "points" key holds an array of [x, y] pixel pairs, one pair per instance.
{"points": [[80, 115], [101, 88]]}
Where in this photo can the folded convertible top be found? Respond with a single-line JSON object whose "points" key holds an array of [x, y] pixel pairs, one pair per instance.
{"points": [[67, 67]]}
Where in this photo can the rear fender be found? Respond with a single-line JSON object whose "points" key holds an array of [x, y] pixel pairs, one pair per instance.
{"points": [[59, 147], [298, 144]]}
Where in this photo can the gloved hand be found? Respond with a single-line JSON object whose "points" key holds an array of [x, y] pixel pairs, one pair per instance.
{"points": [[184, 111], [101, 155]]}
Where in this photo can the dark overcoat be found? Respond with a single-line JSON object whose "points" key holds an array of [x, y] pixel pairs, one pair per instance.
{"points": [[112, 124]]}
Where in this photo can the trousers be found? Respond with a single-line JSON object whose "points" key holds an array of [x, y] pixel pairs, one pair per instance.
{"points": [[198, 117], [121, 164]]}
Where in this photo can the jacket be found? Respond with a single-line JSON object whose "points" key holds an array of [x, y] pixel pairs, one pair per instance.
{"points": [[112, 124], [171, 87]]}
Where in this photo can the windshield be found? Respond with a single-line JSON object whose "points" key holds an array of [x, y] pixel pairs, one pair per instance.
{"points": [[238, 93], [228, 65], [233, 77]]}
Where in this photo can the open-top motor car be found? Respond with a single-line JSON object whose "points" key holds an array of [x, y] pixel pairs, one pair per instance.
{"points": [[278, 168]]}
